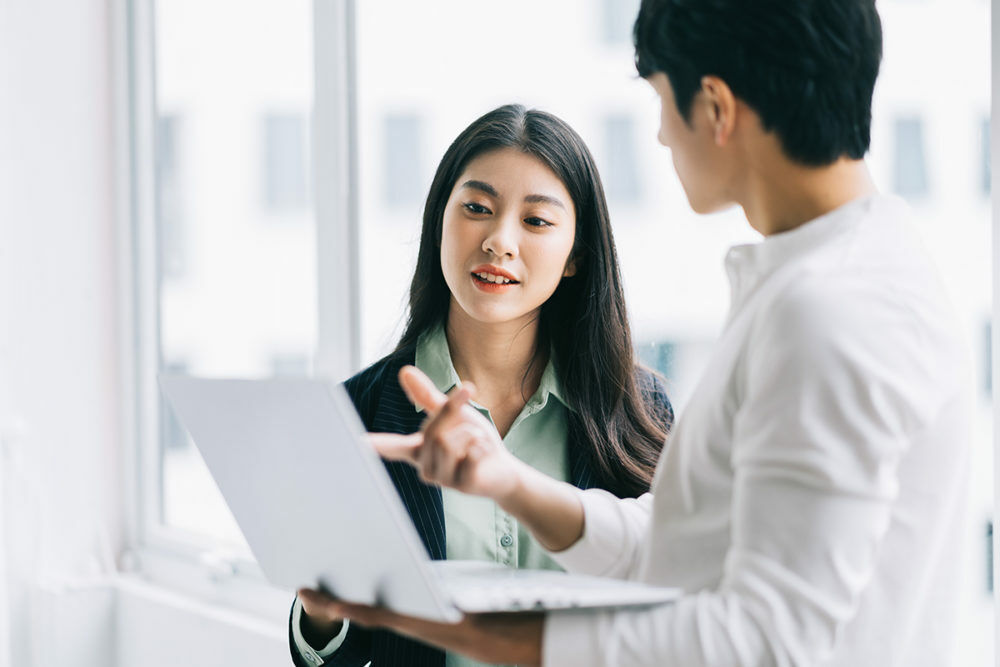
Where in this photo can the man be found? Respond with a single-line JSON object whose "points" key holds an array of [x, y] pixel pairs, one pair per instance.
{"points": [[811, 499]]}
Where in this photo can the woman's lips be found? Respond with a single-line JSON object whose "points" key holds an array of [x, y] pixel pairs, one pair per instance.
{"points": [[491, 287], [492, 272]]}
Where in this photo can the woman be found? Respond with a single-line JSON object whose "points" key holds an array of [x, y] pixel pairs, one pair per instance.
{"points": [[516, 290]]}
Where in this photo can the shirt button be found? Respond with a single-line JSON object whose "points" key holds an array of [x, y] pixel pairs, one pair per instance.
{"points": [[506, 541]]}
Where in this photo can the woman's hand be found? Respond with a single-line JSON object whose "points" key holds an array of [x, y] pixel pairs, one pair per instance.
{"points": [[456, 447], [493, 638]]}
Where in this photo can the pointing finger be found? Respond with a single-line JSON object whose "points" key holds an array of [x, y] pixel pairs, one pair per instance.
{"points": [[420, 390], [394, 447]]}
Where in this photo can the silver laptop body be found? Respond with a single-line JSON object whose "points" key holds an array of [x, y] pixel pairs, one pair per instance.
{"points": [[318, 508]]}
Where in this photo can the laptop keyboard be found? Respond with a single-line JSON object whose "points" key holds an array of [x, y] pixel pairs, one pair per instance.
{"points": [[478, 587]]}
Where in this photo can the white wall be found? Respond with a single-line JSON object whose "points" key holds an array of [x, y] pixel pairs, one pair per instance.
{"points": [[62, 450], [58, 344], [200, 635]]}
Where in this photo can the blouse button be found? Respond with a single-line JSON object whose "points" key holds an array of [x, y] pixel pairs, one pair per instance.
{"points": [[506, 541]]}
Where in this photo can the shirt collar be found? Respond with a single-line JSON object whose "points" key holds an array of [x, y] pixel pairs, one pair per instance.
{"points": [[434, 358], [746, 264]]}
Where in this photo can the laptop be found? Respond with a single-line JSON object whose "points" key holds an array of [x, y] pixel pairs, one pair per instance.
{"points": [[318, 509]]}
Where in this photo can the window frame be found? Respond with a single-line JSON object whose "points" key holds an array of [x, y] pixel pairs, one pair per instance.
{"points": [[177, 558], [994, 143]]}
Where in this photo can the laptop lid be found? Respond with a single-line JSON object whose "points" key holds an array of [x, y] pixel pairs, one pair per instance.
{"points": [[313, 500]]}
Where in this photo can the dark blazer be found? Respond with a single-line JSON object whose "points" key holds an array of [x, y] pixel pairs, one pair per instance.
{"points": [[384, 408]]}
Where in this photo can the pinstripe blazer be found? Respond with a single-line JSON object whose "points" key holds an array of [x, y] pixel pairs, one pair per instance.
{"points": [[384, 408]]}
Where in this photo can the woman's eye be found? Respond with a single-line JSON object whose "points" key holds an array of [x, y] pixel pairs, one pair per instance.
{"points": [[537, 222], [473, 207]]}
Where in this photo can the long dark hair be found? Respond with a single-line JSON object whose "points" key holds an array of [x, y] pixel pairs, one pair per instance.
{"points": [[584, 321]]}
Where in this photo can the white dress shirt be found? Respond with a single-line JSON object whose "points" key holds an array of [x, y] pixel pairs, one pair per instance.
{"points": [[811, 501]]}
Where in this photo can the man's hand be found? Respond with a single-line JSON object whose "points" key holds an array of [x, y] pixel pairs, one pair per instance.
{"points": [[493, 638], [456, 447], [318, 626]]}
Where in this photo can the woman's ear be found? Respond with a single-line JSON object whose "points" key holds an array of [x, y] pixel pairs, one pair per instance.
{"points": [[570, 269]]}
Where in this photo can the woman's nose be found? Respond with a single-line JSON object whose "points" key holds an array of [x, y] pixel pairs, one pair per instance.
{"points": [[502, 239]]}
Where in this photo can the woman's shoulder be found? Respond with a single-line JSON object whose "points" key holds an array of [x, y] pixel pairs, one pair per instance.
{"points": [[366, 386], [654, 391], [377, 372]]}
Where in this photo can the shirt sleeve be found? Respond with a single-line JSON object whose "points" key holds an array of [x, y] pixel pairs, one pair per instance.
{"points": [[833, 390], [311, 655], [612, 531]]}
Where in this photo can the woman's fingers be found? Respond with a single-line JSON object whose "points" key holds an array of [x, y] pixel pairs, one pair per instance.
{"points": [[451, 416], [421, 390], [395, 447], [451, 451], [453, 430], [425, 395]]}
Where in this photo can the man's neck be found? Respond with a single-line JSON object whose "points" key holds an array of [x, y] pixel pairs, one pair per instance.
{"points": [[495, 357], [781, 195]]}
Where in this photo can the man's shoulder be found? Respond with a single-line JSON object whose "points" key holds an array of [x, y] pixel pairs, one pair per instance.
{"points": [[867, 328]]}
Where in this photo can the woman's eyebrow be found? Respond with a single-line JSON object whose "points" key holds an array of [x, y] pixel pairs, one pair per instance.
{"points": [[482, 186], [544, 199]]}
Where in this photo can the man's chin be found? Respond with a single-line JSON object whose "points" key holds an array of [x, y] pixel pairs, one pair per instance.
{"points": [[707, 206]]}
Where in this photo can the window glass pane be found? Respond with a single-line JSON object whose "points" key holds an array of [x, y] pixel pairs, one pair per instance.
{"points": [[286, 162], [569, 72], [984, 156], [169, 129], [237, 292], [930, 149], [621, 172], [910, 169], [618, 17], [402, 183]]}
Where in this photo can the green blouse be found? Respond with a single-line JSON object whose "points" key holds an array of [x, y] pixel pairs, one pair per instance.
{"points": [[476, 528]]}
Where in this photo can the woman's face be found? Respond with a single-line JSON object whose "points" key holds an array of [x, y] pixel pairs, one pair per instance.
{"points": [[506, 238]]}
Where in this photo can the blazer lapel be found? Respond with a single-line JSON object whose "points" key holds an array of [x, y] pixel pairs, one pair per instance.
{"points": [[395, 414]]}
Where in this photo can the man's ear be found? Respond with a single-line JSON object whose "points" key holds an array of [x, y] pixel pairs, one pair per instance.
{"points": [[720, 107]]}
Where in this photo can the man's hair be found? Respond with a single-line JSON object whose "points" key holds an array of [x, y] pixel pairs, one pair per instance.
{"points": [[807, 67]]}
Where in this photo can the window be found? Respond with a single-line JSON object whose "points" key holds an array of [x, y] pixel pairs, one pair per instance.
{"points": [[290, 365], [621, 171], [227, 289], [618, 17], [453, 71], [170, 202], [659, 356], [910, 169], [402, 182], [286, 162], [986, 367], [984, 159], [223, 291], [989, 557]]}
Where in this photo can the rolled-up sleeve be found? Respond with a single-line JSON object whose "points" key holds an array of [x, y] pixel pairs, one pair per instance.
{"points": [[612, 531]]}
